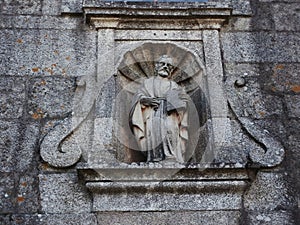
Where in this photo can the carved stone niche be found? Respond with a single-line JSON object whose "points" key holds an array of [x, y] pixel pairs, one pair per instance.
{"points": [[222, 145]]}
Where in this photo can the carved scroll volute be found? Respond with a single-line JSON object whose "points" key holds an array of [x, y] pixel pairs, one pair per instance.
{"points": [[271, 152], [60, 147]]}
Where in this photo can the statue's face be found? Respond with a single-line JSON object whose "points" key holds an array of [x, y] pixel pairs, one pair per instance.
{"points": [[164, 66]]}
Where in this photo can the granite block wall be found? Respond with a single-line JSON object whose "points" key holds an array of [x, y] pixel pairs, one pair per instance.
{"points": [[265, 48], [44, 52]]}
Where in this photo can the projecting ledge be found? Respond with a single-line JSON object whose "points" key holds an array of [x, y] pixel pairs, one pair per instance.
{"points": [[167, 195], [165, 189]]}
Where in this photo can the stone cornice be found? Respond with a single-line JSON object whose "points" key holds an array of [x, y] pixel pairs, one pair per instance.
{"points": [[156, 8]]}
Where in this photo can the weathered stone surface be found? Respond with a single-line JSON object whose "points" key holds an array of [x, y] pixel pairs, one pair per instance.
{"points": [[107, 94], [239, 24], [262, 18], [4, 219], [37, 41], [214, 70], [57, 52], [9, 133], [274, 126], [61, 147], [62, 193], [236, 145], [293, 141], [242, 70], [26, 157], [21, 7], [11, 105], [143, 196], [49, 126], [25, 219], [260, 47], [293, 162], [70, 219], [270, 151], [50, 219], [270, 191], [248, 100], [7, 194], [42, 22], [71, 6], [51, 7], [271, 218], [102, 142], [12, 97], [280, 77], [27, 194], [272, 77], [239, 7], [51, 97], [293, 105], [286, 16], [176, 218]]}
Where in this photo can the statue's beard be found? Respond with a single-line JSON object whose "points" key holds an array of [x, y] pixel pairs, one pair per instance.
{"points": [[163, 73]]}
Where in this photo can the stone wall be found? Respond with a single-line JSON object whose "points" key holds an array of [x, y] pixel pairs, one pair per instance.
{"points": [[265, 48], [43, 52]]}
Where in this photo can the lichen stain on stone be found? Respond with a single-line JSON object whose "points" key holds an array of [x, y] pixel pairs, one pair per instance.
{"points": [[295, 88], [43, 82], [45, 166], [274, 89], [19, 221], [38, 114], [35, 116], [35, 69], [279, 67], [48, 70], [24, 184], [20, 41], [64, 72], [20, 199]]}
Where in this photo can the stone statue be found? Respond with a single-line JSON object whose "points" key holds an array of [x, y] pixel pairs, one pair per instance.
{"points": [[158, 116]]}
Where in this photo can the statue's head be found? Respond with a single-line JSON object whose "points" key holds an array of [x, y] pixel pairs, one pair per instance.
{"points": [[163, 66]]}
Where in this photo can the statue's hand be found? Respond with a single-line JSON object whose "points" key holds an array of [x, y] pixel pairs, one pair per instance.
{"points": [[152, 102]]}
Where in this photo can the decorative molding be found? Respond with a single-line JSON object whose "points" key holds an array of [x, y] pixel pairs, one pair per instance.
{"points": [[134, 188], [58, 147], [211, 183], [268, 153], [236, 7]]}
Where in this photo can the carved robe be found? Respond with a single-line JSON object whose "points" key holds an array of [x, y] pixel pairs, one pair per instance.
{"points": [[161, 133]]}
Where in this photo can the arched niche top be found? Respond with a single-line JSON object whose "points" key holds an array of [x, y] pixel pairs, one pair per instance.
{"points": [[139, 63]]}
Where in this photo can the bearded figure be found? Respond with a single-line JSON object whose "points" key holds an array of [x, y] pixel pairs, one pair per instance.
{"points": [[158, 116]]}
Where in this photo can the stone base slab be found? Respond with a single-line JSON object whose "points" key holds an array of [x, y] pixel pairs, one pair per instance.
{"points": [[186, 189], [165, 196]]}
